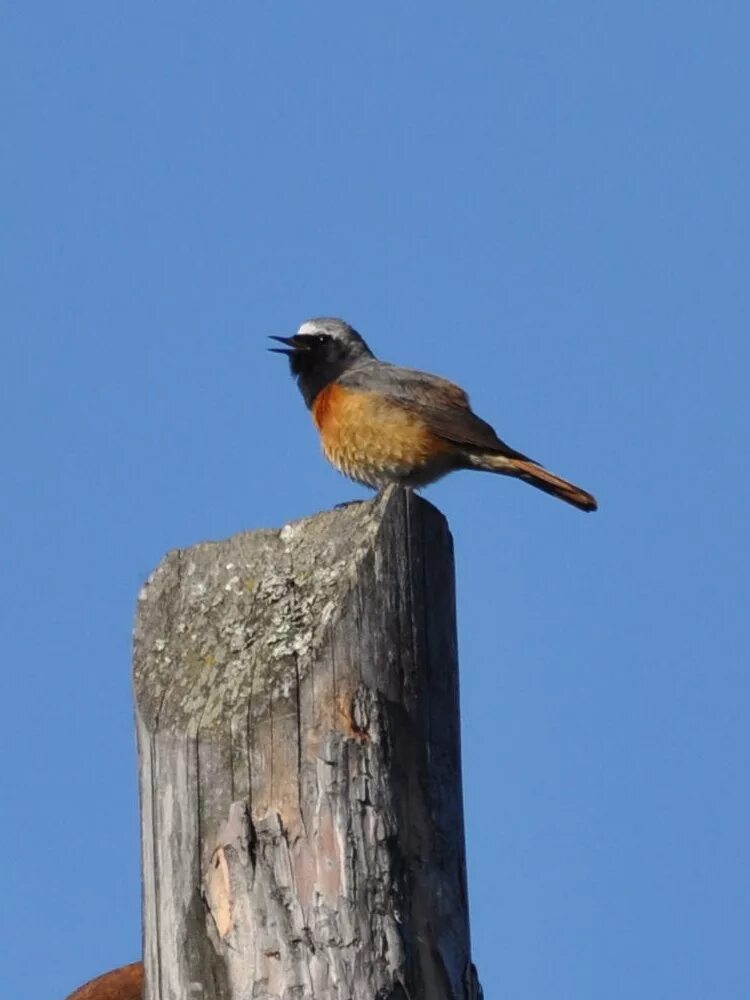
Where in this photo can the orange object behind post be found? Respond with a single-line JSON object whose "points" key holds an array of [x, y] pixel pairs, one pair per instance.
{"points": [[125, 983]]}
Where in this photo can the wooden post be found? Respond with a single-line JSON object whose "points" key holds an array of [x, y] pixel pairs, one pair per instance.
{"points": [[298, 731]]}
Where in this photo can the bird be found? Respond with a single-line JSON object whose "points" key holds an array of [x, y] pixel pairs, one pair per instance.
{"points": [[381, 424]]}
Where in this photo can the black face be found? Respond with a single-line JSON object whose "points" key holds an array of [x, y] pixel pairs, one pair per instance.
{"points": [[316, 350], [316, 359]]}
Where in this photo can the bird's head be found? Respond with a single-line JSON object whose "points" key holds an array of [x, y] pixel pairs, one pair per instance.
{"points": [[320, 351]]}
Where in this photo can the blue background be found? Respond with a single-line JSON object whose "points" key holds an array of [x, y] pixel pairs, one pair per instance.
{"points": [[547, 203]]}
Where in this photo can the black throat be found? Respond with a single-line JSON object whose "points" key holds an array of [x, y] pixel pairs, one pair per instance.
{"points": [[313, 376], [316, 364]]}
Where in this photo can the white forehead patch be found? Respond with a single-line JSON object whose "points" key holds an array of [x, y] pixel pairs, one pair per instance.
{"points": [[327, 325]]}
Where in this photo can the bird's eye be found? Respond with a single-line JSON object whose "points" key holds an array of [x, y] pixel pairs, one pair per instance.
{"points": [[322, 338]]}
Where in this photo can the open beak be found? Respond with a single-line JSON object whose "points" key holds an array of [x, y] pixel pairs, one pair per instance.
{"points": [[293, 344]]}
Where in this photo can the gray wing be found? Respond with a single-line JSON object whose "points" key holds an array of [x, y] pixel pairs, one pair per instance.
{"points": [[441, 404]]}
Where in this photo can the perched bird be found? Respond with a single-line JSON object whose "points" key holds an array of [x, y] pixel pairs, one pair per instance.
{"points": [[380, 424]]}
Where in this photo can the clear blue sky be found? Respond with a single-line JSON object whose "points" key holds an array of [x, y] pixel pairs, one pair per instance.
{"points": [[546, 202]]}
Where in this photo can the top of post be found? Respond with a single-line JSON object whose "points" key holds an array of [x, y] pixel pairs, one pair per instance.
{"points": [[211, 613]]}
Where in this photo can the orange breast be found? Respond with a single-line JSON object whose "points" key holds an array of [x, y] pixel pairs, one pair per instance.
{"points": [[374, 441], [326, 404]]}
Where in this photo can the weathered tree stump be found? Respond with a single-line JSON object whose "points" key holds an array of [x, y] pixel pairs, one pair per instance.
{"points": [[298, 732]]}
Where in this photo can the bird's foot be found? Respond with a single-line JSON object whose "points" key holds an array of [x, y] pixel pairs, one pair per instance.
{"points": [[348, 503]]}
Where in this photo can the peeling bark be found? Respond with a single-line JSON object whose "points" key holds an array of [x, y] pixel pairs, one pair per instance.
{"points": [[298, 731]]}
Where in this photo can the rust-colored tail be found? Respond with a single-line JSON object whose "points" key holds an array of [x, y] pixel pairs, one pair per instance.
{"points": [[530, 472], [125, 983]]}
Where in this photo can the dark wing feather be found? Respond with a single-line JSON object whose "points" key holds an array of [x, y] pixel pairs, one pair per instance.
{"points": [[440, 404]]}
